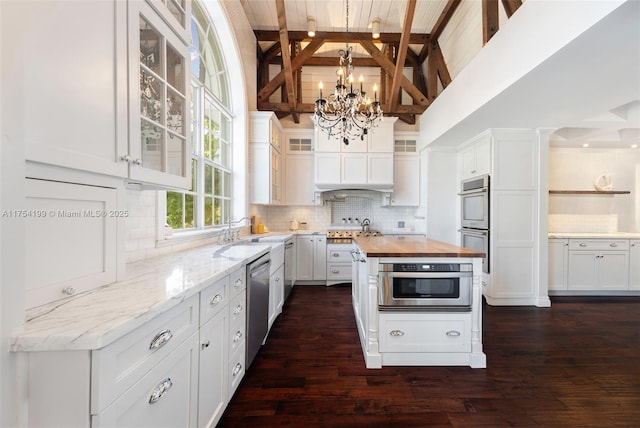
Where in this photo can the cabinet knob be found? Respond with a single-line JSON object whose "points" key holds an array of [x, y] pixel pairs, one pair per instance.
{"points": [[205, 344], [236, 369], [238, 283], [215, 300], [68, 291], [237, 310], [237, 337]]}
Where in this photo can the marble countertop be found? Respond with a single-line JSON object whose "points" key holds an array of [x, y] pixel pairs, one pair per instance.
{"points": [[411, 246], [586, 235], [96, 318]]}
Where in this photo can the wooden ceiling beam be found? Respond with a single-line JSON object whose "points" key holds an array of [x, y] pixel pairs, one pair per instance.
{"points": [[490, 20], [402, 53], [286, 56], [340, 36], [390, 68], [401, 109], [444, 18], [510, 6], [298, 61]]}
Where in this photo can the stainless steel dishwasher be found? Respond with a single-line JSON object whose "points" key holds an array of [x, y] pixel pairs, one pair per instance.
{"points": [[257, 305]]}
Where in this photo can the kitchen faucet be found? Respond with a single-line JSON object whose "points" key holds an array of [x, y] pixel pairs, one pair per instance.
{"points": [[228, 235]]}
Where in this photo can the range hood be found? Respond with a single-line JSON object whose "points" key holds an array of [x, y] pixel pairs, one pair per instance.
{"points": [[340, 195], [337, 187]]}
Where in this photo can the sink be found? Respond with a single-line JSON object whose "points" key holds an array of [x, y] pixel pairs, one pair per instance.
{"points": [[240, 249]]}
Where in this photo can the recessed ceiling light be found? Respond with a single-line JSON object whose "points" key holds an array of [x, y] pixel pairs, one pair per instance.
{"points": [[585, 145]]}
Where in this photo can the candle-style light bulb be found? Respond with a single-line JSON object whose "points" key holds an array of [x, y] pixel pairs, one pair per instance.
{"points": [[351, 82], [361, 79], [375, 92], [320, 87]]}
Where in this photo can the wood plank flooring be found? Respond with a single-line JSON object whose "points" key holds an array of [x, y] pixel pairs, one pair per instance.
{"points": [[576, 364]]}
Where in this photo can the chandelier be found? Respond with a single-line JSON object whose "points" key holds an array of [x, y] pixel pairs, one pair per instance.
{"points": [[347, 113]]}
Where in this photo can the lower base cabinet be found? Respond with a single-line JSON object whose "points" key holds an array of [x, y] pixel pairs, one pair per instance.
{"points": [[180, 369], [422, 332]]}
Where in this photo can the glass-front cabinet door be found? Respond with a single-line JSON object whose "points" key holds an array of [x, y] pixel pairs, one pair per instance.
{"points": [[159, 146]]}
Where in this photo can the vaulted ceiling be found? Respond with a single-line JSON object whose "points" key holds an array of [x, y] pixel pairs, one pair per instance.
{"points": [[411, 66]]}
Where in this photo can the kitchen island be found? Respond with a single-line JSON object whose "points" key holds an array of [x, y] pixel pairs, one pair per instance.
{"points": [[415, 336]]}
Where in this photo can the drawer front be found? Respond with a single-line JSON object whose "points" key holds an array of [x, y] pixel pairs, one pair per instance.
{"points": [[425, 332], [213, 299], [238, 312], [339, 271], [236, 370], [117, 367], [163, 397], [237, 282], [277, 256], [339, 254], [598, 244]]}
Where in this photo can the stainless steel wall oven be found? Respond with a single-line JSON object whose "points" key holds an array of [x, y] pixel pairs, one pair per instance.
{"points": [[425, 286], [474, 203]]}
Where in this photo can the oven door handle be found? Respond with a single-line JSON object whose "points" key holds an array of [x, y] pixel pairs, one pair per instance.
{"points": [[427, 275], [479, 191], [473, 232]]}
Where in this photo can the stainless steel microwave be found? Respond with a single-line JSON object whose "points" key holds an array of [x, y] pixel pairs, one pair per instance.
{"points": [[474, 203], [425, 286]]}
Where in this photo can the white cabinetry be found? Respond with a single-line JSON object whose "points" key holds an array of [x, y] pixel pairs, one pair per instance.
{"points": [[558, 262], [598, 264], [362, 163], [339, 262], [425, 332], [476, 159], [82, 217], [299, 189], [634, 265], [511, 157], [276, 282], [311, 257], [178, 369], [406, 180], [265, 158], [107, 95]]}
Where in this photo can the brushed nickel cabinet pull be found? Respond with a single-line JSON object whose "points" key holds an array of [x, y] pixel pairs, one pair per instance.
{"points": [[161, 339]]}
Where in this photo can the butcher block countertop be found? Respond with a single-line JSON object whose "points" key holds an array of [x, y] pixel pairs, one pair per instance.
{"points": [[411, 246]]}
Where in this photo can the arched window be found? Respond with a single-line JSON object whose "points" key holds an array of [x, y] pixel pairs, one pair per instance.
{"points": [[209, 201]]}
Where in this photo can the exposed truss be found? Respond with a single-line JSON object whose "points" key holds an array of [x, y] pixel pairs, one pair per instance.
{"points": [[394, 55]]}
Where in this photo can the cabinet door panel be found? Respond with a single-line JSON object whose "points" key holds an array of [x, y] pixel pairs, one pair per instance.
{"points": [[212, 379], [320, 258], [175, 379], [613, 268], [558, 264], [380, 168], [634, 265], [327, 168], [304, 258], [583, 274], [299, 181], [406, 181], [69, 82], [354, 168]]}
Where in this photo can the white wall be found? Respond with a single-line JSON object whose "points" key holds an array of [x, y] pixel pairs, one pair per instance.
{"points": [[555, 62], [442, 194], [577, 168]]}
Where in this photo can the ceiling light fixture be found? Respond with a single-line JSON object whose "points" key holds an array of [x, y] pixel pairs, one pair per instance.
{"points": [[375, 28], [346, 112], [311, 26]]}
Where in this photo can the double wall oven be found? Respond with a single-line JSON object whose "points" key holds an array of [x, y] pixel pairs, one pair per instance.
{"points": [[474, 213]]}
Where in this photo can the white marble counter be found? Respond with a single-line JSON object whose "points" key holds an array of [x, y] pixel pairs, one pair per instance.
{"points": [[96, 318], [590, 235]]}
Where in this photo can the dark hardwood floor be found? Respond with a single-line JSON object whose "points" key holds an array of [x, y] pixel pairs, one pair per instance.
{"points": [[576, 364]]}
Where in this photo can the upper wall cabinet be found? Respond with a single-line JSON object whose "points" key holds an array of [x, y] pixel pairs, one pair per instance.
{"points": [[475, 160], [265, 159], [159, 148], [100, 87]]}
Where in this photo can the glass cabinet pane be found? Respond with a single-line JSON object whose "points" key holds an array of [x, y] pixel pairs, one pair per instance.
{"points": [[152, 137], [175, 69], [175, 155], [150, 96], [150, 47], [176, 8], [175, 112]]}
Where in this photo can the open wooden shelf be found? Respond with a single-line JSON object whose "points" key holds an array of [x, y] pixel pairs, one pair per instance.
{"points": [[589, 192]]}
